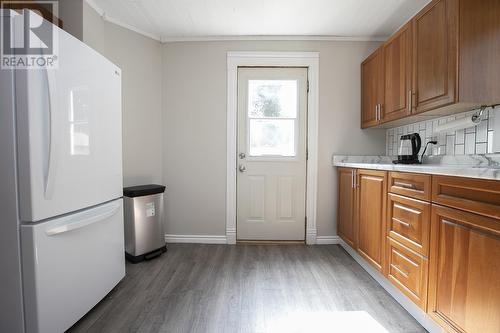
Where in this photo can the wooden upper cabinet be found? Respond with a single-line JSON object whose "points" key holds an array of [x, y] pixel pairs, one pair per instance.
{"points": [[444, 60], [372, 198], [398, 71], [435, 53], [464, 289], [346, 221], [372, 89], [479, 41]]}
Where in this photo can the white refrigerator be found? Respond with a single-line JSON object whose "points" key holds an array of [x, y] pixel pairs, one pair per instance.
{"points": [[61, 236]]}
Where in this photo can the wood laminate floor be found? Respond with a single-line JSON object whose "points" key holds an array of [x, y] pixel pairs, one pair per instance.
{"points": [[248, 288]]}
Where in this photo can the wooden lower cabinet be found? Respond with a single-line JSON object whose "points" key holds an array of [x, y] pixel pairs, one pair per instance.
{"points": [[407, 270], [464, 276], [346, 221], [445, 259], [372, 198]]}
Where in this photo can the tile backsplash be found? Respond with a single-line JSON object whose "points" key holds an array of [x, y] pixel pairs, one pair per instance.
{"points": [[474, 140]]}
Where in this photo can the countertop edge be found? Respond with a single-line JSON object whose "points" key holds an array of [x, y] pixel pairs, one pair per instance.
{"points": [[452, 170]]}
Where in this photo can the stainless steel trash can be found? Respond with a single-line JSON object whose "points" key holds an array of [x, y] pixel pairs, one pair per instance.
{"points": [[143, 212]]}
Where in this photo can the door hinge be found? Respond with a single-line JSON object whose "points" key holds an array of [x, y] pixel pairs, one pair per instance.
{"points": [[307, 154], [307, 85]]}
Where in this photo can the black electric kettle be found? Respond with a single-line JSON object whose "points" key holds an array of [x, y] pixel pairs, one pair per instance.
{"points": [[409, 146]]}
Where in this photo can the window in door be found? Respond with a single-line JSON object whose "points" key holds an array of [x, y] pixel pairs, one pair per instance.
{"points": [[272, 118]]}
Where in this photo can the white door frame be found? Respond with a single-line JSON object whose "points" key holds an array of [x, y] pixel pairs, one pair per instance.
{"points": [[273, 59]]}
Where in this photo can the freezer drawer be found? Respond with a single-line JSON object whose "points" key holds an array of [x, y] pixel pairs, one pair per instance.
{"points": [[70, 264]]}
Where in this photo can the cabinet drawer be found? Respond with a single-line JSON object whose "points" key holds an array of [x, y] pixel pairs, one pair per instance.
{"points": [[407, 270], [411, 185], [474, 195], [408, 222]]}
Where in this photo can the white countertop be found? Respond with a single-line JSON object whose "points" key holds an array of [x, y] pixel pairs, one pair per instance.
{"points": [[473, 166]]}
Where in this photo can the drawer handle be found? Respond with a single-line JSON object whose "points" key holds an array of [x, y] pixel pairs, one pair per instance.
{"points": [[406, 224], [83, 222], [406, 185], [405, 274]]}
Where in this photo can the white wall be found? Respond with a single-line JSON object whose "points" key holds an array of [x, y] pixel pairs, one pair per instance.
{"points": [[194, 127], [174, 118], [140, 60]]}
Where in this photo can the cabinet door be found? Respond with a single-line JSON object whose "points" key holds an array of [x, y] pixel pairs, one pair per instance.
{"points": [[435, 53], [346, 221], [372, 197], [397, 69], [372, 92], [464, 293]]}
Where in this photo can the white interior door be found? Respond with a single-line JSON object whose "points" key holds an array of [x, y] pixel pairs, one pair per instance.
{"points": [[272, 136]]}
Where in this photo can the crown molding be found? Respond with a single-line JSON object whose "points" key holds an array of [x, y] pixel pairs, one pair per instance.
{"points": [[95, 7], [173, 39], [115, 21], [131, 28]]}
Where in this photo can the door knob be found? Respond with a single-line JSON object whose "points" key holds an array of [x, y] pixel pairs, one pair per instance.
{"points": [[242, 156], [242, 168]]}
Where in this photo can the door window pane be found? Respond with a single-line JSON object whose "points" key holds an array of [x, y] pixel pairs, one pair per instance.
{"points": [[272, 98], [272, 137]]}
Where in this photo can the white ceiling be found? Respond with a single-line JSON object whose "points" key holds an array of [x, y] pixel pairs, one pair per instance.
{"points": [[191, 19]]}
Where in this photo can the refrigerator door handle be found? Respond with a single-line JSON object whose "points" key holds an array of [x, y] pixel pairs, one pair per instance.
{"points": [[52, 158], [84, 222]]}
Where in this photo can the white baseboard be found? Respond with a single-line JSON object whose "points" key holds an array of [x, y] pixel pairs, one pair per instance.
{"points": [[198, 239], [417, 313], [326, 240]]}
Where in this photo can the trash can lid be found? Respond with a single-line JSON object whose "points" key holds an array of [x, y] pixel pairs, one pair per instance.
{"points": [[143, 190]]}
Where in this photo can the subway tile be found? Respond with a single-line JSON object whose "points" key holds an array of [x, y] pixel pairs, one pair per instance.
{"points": [[428, 128], [448, 120], [459, 149], [435, 150], [470, 143], [460, 137], [482, 131], [490, 142], [435, 124], [473, 140], [481, 148], [450, 145], [441, 139], [470, 129], [441, 150]]}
